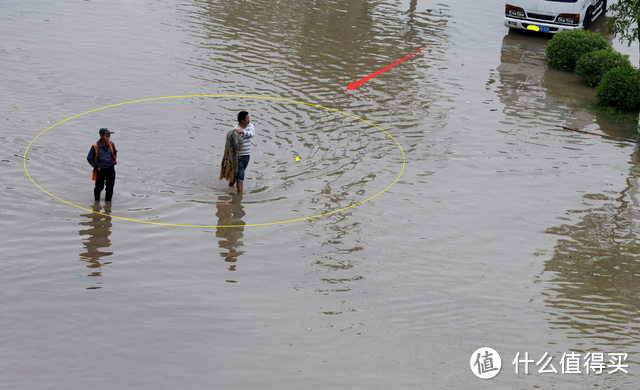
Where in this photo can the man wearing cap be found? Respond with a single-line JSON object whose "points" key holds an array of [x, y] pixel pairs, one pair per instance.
{"points": [[102, 157]]}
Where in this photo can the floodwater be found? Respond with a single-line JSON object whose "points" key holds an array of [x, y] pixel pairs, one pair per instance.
{"points": [[500, 230]]}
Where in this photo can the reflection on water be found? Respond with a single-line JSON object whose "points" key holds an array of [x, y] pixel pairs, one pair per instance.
{"points": [[311, 51], [536, 95], [98, 231], [230, 229], [595, 293], [531, 91]]}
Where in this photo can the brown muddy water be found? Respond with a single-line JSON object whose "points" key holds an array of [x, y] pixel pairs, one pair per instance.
{"points": [[502, 231]]}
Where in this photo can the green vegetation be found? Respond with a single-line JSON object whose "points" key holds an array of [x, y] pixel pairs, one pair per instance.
{"points": [[615, 115], [566, 47], [624, 20], [620, 89], [589, 55], [592, 66]]}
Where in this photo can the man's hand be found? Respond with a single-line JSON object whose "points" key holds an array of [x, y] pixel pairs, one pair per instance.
{"points": [[239, 131]]}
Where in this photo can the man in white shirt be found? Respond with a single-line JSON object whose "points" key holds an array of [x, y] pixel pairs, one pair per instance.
{"points": [[246, 130]]}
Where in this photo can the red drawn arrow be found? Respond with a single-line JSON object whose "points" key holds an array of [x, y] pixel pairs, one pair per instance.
{"points": [[352, 86]]}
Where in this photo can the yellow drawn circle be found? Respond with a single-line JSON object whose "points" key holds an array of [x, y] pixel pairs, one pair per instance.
{"points": [[297, 158], [212, 226]]}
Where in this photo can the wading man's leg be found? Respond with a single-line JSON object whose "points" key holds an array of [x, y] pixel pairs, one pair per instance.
{"points": [[242, 165], [99, 185], [111, 180]]}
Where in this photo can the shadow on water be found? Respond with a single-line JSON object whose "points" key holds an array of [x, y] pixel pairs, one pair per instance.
{"points": [[594, 292], [230, 230], [98, 230]]}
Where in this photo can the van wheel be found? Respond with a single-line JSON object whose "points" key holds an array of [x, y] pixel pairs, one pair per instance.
{"points": [[587, 19]]}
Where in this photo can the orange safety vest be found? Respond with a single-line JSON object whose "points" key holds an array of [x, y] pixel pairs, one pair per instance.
{"points": [[95, 158]]}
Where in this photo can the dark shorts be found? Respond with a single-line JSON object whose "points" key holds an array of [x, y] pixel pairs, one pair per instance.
{"points": [[243, 161]]}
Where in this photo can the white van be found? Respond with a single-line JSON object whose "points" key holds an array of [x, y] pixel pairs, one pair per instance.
{"points": [[551, 16]]}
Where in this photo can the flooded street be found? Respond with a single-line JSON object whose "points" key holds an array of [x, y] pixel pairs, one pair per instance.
{"points": [[435, 210]]}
